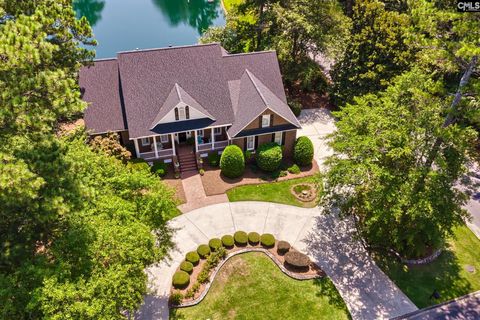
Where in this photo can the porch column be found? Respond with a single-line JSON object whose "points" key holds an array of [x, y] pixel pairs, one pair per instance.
{"points": [[213, 139], [137, 152], [196, 140], [155, 146], [173, 143]]}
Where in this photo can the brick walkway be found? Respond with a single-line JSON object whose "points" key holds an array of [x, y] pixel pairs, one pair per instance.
{"points": [[195, 193]]}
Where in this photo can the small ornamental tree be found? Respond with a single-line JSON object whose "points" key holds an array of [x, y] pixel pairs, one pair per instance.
{"points": [[269, 156], [110, 144], [303, 151], [232, 162]]}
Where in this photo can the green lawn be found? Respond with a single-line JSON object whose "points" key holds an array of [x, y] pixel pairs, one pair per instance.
{"points": [[250, 286], [278, 192], [447, 274]]}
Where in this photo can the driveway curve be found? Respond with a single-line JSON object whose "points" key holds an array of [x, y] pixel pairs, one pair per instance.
{"points": [[366, 290]]}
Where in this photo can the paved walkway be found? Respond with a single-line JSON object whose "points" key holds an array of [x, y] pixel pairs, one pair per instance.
{"points": [[471, 185], [367, 291], [195, 193]]}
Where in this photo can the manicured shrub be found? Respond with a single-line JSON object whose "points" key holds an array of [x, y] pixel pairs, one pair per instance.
{"points": [[160, 169], [201, 171], [214, 159], [253, 238], [269, 156], [232, 162], [228, 241], [303, 151], [203, 251], [180, 280], [214, 244], [297, 260], [192, 257], [283, 247], [175, 298], [240, 238], [186, 266], [294, 169], [267, 240], [138, 164], [296, 107]]}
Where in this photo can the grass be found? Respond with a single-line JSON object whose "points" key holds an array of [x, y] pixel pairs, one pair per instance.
{"points": [[447, 274], [250, 286], [278, 192]]}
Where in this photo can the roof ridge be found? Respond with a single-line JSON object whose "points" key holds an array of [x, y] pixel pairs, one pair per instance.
{"points": [[248, 53], [170, 48], [256, 87], [104, 59]]}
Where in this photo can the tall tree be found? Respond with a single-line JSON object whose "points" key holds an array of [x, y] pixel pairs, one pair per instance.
{"points": [[377, 52], [381, 145]]}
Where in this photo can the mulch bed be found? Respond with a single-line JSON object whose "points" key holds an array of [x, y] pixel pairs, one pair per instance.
{"points": [[170, 180], [215, 183]]}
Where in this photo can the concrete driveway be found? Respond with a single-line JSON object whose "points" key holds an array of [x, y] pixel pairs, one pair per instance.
{"points": [[367, 291], [471, 186], [317, 124]]}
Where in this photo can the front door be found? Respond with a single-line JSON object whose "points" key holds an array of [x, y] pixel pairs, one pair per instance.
{"points": [[182, 137]]}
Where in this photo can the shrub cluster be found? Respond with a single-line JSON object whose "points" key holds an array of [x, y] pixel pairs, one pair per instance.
{"points": [[303, 151], [138, 164], [192, 257], [191, 292], [160, 169], [232, 162], [297, 260], [214, 244], [186, 266], [294, 169], [180, 280], [240, 238], [228, 241], [213, 159], [253, 238], [203, 251], [212, 262], [175, 298], [269, 156], [283, 247], [267, 240]]}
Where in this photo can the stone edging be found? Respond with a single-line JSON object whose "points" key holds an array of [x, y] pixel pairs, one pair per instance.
{"points": [[232, 254], [425, 260]]}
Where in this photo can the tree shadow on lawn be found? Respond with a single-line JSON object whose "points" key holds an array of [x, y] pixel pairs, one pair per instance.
{"points": [[419, 281], [327, 289]]}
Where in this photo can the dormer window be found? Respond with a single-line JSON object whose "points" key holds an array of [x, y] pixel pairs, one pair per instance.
{"points": [[265, 120], [181, 113]]}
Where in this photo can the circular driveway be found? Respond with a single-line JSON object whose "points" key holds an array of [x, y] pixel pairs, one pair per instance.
{"points": [[367, 291]]}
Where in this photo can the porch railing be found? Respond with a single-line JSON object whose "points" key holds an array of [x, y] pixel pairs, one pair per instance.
{"points": [[161, 154], [208, 146]]}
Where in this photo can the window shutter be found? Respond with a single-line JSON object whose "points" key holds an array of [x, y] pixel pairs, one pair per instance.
{"points": [[260, 122], [273, 137], [187, 113], [283, 138], [256, 142], [271, 120], [244, 144], [176, 114]]}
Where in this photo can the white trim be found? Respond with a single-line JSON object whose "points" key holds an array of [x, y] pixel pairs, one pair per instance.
{"points": [[196, 140], [104, 132], [202, 132], [275, 137], [212, 133], [145, 141], [173, 143], [137, 151], [130, 138], [217, 133], [184, 112], [266, 117], [164, 136], [253, 148], [155, 146]]}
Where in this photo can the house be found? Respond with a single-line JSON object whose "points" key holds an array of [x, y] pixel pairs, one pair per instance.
{"points": [[184, 102]]}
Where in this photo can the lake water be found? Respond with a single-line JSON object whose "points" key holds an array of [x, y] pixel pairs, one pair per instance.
{"points": [[121, 25]]}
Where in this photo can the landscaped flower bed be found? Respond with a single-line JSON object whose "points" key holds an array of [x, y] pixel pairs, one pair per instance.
{"points": [[193, 275], [304, 192]]}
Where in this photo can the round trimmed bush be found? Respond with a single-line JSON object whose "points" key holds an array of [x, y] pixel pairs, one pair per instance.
{"points": [[253, 238], [186, 266], [232, 162], [160, 169], [228, 241], [214, 244], [203, 251], [240, 238], [267, 240], [303, 151], [297, 260], [283, 247], [180, 280], [269, 156], [192, 257]]}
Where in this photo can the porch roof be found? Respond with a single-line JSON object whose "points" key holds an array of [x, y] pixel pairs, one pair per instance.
{"points": [[255, 132], [180, 126]]}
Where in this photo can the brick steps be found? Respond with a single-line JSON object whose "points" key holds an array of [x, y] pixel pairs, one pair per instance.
{"points": [[187, 162]]}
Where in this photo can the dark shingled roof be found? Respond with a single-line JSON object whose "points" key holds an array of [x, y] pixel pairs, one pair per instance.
{"points": [[100, 87], [209, 79], [184, 125], [257, 131]]}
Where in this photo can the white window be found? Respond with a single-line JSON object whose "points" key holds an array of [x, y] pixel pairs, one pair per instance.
{"points": [[200, 132], [278, 137], [265, 120], [164, 138], [181, 113], [217, 131], [250, 142], [145, 142]]}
